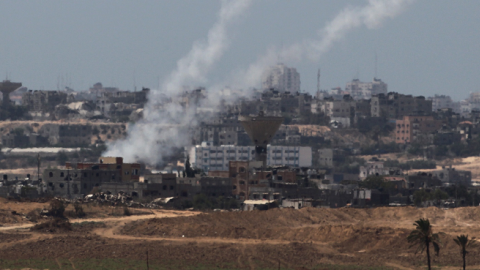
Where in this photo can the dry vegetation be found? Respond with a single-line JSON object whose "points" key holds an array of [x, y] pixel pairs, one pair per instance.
{"points": [[309, 238]]}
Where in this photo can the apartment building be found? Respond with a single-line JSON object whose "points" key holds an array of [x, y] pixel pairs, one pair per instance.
{"points": [[43, 101], [365, 90], [282, 78], [395, 105], [216, 158], [407, 129], [128, 172]]}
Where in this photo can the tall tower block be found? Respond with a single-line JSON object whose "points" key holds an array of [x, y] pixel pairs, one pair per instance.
{"points": [[6, 87], [261, 130]]}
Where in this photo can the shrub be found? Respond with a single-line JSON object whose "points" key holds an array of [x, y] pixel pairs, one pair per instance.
{"points": [[202, 202], [57, 209], [126, 211], [79, 210], [33, 215]]}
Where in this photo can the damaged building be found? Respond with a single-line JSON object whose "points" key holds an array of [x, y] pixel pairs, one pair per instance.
{"points": [[43, 101]]}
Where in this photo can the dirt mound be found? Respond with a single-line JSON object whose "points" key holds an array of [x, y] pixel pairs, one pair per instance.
{"points": [[267, 224], [8, 217], [347, 229]]}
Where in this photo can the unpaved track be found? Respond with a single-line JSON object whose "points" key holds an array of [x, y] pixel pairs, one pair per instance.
{"points": [[111, 233], [155, 214]]}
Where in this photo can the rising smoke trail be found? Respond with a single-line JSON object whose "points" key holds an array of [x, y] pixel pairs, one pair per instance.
{"points": [[372, 15], [165, 124]]}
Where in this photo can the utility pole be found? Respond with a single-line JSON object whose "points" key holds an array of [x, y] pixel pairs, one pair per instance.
{"points": [[147, 261], [318, 83]]}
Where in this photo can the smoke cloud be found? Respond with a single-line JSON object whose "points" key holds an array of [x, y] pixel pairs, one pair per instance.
{"points": [[166, 123]]}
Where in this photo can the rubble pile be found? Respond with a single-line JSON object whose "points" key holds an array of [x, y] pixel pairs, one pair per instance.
{"points": [[120, 199]]}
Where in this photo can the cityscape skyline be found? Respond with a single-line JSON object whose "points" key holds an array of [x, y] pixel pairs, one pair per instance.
{"points": [[60, 46]]}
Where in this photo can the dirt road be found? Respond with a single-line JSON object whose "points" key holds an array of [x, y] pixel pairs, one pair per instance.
{"points": [[290, 239], [155, 214]]}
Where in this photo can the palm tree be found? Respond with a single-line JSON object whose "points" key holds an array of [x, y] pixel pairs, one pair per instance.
{"points": [[422, 236], [463, 242]]}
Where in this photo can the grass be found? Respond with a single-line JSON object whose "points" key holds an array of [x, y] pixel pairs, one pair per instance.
{"points": [[117, 263], [350, 267], [88, 223], [101, 264]]}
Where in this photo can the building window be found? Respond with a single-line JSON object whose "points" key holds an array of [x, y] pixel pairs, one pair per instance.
{"points": [[50, 174]]}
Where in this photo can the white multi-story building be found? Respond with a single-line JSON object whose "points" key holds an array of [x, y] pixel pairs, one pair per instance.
{"points": [[216, 158], [373, 168], [282, 78], [365, 90], [443, 102]]}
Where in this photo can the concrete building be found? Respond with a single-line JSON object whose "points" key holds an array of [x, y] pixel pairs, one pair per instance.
{"points": [[217, 158], [395, 105], [376, 168], [341, 111], [43, 101], [365, 90], [344, 108], [128, 97], [15, 139], [67, 135], [167, 184], [325, 158], [221, 131], [410, 127], [249, 180], [129, 172], [282, 78], [77, 182], [442, 102], [452, 176]]}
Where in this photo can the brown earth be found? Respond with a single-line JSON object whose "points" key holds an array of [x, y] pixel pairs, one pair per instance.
{"points": [[13, 212], [468, 164], [309, 238]]}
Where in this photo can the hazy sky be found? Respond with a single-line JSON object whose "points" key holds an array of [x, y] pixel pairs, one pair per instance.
{"points": [[432, 47]]}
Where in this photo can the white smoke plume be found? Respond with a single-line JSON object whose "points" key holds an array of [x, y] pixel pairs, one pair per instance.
{"points": [[372, 15], [165, 124]]}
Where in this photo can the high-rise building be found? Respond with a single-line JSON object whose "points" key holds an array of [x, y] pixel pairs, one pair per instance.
{"points": [[365, 90], [282, 78], [443, 102]]}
